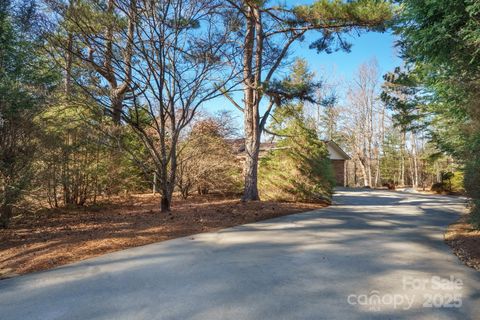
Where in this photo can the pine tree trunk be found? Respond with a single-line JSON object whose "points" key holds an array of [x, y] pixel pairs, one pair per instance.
{"points": [[251, 111], [250, 192], [252, 149], [117, 106]]}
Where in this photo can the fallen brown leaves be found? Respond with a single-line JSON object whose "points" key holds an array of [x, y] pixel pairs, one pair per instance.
{"points": [[56, 237], [465, 242]]}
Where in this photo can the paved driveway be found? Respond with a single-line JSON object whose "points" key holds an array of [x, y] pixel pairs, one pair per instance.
{"points": [[373, 255]]}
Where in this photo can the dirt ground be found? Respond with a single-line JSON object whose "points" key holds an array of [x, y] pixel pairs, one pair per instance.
{"points": [[465, 242], [56, 237]]}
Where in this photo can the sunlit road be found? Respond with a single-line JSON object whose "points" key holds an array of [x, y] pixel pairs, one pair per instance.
{"points": [[372, 255]]}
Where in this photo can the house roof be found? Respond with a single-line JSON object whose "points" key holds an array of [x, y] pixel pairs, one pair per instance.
{"points": [[334, 150], [338, 153]]}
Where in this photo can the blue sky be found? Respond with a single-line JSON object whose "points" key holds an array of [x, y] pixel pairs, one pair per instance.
{"points": [[367, 46]]}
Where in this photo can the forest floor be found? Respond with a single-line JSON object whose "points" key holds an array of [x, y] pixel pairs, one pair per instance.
{"points": [[51, 238], [465, 241]]}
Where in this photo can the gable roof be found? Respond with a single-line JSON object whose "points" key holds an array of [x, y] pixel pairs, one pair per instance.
{"points": [[334, 150], [337, 151]]}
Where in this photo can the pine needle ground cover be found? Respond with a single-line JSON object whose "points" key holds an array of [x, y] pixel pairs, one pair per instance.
{"points": [[56, 237]]}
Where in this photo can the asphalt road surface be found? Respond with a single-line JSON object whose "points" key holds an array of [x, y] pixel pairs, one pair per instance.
{"points": [[372, 255]]}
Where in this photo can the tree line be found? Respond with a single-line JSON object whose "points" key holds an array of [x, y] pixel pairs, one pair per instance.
{"points": [[377, 119], [439, 41], [420, 126]]}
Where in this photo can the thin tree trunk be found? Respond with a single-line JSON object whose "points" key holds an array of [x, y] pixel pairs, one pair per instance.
{"points": [[5, 214], [170, 185], [68, 67], [369, 141], [381, 146], [369, 173], [364, 173], [54, 187], [402, 159], [355, 173], [415, 161]]}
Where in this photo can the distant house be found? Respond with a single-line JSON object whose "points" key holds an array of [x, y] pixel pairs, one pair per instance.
{"points": [[337, 156]]}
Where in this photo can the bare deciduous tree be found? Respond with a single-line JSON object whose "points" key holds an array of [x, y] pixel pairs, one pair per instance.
{"points": [[182, 50], [366, 120], [152, 64], [207, 161]]}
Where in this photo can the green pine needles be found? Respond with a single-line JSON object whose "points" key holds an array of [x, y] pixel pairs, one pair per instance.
{"points": [[298, 168]]}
